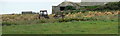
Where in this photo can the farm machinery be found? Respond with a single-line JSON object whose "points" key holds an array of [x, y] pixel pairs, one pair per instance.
{"points": [[43, 13]]}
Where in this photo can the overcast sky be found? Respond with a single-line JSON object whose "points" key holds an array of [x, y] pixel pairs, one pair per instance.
{"points": [[17, 6]]}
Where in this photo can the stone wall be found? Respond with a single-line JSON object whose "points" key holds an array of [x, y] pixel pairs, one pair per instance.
{"points": [[55, 9]]}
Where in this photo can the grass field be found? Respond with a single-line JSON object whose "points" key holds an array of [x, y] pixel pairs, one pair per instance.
{"points": [[76, 27], [91, 22]]}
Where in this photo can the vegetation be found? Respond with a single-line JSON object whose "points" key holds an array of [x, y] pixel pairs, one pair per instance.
{"points": [[93, 21], [78, 23], [109, 6], [69, 8], [77, 27], [88, 16]]}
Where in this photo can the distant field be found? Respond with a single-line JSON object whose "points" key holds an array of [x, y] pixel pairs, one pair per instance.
{"points": [[77, 27]]}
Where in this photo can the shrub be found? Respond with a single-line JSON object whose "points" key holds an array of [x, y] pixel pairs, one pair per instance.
{"points": [[8, 23], [109, 6]]}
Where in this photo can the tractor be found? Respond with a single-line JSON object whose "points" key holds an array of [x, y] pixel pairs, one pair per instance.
{"points": [[43, 13]]}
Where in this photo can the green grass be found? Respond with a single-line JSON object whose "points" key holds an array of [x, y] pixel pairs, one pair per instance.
{"points": [[77, 27]]}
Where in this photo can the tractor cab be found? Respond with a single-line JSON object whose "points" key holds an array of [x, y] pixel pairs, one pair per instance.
{"points": [[43, 13]]}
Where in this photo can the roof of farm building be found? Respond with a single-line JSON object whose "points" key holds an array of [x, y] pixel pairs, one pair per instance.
{"points": [[82, 3], [91, 3], [68, 3], [100, 0]]}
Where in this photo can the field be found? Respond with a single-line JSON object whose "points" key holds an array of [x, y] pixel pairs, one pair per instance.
{"points": [[91, 22], [78, 27]]}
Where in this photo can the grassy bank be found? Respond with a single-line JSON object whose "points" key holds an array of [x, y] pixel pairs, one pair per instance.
{"points": [[77, 27]]}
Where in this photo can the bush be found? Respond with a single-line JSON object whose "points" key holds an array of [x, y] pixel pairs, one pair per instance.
{"points": [[8, 23], [109, 6]]}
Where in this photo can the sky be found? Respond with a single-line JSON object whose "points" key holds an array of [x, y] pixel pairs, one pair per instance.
{"points": [[17, 6]]}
